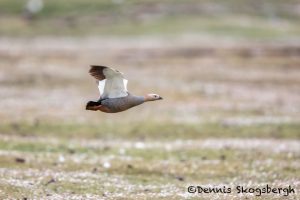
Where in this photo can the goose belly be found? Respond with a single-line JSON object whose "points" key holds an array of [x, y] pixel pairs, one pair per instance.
{"points": [[120, 104]]}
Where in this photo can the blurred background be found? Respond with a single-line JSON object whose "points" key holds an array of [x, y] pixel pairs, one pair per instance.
{"points": [[229, 72]]}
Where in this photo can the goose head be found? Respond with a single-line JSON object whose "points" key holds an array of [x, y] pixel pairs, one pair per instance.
{"points": [[152, 97]]}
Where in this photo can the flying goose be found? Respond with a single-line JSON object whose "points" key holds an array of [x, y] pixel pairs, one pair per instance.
{"points": [[114, 96]]}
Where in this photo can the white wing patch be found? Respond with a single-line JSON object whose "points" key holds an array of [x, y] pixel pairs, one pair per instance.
{"points": [[125, 84], [113, 87], [101, 85]]}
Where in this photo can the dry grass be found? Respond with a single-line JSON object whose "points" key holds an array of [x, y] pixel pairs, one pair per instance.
{"points": [[198, 83], [230, 116]]}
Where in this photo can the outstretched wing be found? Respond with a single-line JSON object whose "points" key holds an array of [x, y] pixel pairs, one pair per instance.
{"points": [[111, 82]]}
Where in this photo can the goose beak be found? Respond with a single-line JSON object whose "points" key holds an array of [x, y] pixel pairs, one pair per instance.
{"points": [[160, 98]]}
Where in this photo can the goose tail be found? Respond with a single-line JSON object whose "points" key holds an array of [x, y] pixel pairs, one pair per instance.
{"points": [[91, 105]]}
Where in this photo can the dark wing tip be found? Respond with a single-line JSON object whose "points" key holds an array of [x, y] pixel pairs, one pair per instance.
{"points": [[97, 72]]}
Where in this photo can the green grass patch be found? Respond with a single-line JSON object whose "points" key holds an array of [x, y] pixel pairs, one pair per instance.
{"points": [[139, 18], [151, 130]]}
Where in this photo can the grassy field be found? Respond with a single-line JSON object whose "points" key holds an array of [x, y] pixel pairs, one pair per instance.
{"points": [[229, 73], [233, 19], [230, 116]]}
